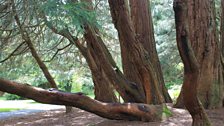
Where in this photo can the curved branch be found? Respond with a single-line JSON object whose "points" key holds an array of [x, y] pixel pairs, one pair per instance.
{"points": [[58, 50], [117, 111]]}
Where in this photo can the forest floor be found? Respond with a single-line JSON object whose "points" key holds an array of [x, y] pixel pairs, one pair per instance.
{"points": [[79, 117]]}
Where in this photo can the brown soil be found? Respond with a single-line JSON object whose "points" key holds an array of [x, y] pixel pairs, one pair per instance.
{"points": [[79, 117]]}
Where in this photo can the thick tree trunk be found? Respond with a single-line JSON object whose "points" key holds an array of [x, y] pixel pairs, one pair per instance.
{"points": [[117, 111], [205, 45], [103, 87], [102, 57], [191, 67], [139, 57], [143, 26]]}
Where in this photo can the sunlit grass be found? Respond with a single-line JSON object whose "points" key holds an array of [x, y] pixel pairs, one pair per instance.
{"points": [[9, 109], [2, 98]]}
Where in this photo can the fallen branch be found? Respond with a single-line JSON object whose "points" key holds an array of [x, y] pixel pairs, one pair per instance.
{"points": [[116, 111]]}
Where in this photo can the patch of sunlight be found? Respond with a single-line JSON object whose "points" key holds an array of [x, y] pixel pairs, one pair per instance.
{"points": [[129, 106]]}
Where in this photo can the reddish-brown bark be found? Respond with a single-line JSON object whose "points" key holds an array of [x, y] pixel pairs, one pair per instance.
{"points": [[222, 51], [143, 26], [204, 41], [191, 66], [138, 56], [117, 111]]}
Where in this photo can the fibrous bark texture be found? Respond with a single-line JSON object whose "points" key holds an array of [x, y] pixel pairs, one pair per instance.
{"points": [[137, 63], [117, 111], [204, 41], [222, 51], [142, 21], [191, 67]]}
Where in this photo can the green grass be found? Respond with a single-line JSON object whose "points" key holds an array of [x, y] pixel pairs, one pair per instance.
{"points": [[8, 109], [166, 112], [2, 98]]}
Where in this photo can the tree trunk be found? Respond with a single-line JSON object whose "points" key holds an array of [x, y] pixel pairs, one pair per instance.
{"points": [[40, 63], [103, 87], [117, 111], [191, 68], [28, 41], [138, 56], [143, 26], [222, 51], [204, 42], [102, 57]]}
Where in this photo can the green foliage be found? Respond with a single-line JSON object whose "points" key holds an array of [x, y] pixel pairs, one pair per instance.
{"points": [[165, 36], [66, 14], [13, 97], [83, 82], [166, 111]]}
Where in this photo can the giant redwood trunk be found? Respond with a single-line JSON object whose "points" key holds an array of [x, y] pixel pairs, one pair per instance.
{"points": [[117, 111], [142, 21], [134, 55], [204, 42], [191, 66]]}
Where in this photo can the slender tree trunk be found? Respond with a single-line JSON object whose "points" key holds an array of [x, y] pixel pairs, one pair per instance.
{"points": [[222, 51], [143, 26], [116, 111], [191, 67], [28, 41], [40, 63], [205, 45]]}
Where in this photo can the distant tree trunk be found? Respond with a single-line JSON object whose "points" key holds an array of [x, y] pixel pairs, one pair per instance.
{"points": [[191, 66], [222, 50], [143, 26], [204, 42], [116, 111], [1, 93]]}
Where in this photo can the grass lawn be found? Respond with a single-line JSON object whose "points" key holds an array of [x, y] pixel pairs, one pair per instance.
{"points": [[8, 109], [2, 98]]}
